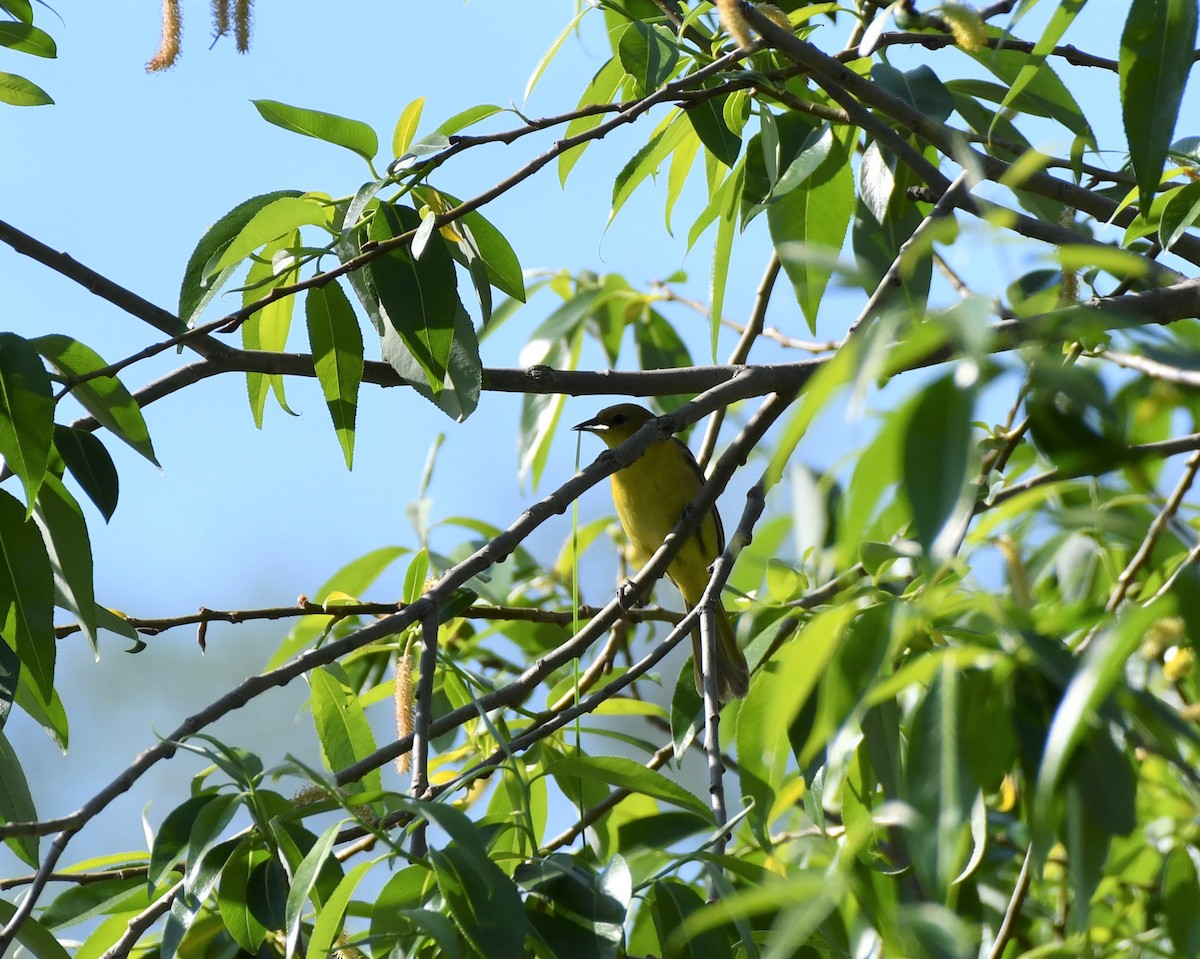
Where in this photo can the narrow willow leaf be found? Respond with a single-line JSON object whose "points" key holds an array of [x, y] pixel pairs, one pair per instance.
{"points": [[105, 397], [70, 552], [540, 67], [1062, 17], [26, 412], [499, 259], [329, 921], [1181, 214], [351, 134], [722, 249], [660, 347], [16, 803], [668, 135], [268, 328], [337, 348], [937, 451], [681, 165], [304, 881], [26, 594], [90, 463], [1154, 63], [198, 287], [39, 941], [602, 89]]}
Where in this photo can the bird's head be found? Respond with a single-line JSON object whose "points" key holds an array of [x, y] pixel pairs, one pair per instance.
{"points": [[617, 423]]}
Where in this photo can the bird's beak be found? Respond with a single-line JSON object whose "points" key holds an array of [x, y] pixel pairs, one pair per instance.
{"points": [[589, 426]]}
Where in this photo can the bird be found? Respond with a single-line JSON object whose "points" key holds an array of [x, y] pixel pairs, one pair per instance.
{"points": [[651, 495]]}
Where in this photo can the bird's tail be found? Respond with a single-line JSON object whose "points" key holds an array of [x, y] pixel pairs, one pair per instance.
{"points": [[733, 675]]}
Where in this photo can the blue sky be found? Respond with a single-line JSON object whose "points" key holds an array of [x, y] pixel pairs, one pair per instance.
{"points": [[127, 171]]}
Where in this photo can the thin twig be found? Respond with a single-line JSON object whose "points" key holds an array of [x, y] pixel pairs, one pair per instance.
{"points": [[1004, 933], [138, 925]]}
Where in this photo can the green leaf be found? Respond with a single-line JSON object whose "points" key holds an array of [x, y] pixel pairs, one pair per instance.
{"points": [[418, 297], [21, 10], [628, 774], [660, 347], [272, 221], [268, 328], [602, 89], [937, 451], [26, 595], [483, 902], [304, 881], [666, 137], [16, 803], [198, 286], [47, 711], [1100, 670], [708, 120], [70, 552], [31, 934], [26, 38], [1180, 215], [406, 126], [353, 579], [233, 895], [1062, 17], [351, 134], [919, 87], [26, 412], [89, 462], [337, 348], [21, 92], [1181, 901], [808, 225], [173, 835], [1154, 63], [104, 897], [103, 396], [723, 248], [500, 260], [540, 66], [648, 54], [540, 412], [672, 904], [468, 117], [329, 921], [342, 727]]}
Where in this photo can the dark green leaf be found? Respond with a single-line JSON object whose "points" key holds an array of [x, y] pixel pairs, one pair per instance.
{"points": [[1155, 60], [464, 378], [305, 877], [937, 450], [1181, 901], [648, 54], [337, 348], [708, 120], [21, 10], [198, 288], [270, 222], [351, 134], [102, 396], [659, 347], [482, 901], [920, 87], [26, 412], [418, 297], [500, 260], [26, 594], [79, 903], [70, 551], [16, 804], [173, 836], [47, 711], [89, 462], [1181, 214], [672, 903], [21, 92]]}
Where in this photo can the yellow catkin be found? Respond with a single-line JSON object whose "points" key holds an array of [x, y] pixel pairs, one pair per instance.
{"points": [[775, 15], [402, 700], [965, 25], [172, 31], [734, 21], [220, 17], [241, 24]]}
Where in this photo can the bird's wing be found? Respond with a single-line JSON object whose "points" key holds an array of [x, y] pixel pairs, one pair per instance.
{"points": [[695, 468]]}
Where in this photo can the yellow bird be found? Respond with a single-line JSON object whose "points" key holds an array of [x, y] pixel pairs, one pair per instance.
{"points": [[650, 495]]}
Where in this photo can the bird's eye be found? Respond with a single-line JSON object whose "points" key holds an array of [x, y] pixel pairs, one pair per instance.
{"points": [[618, 419]]}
